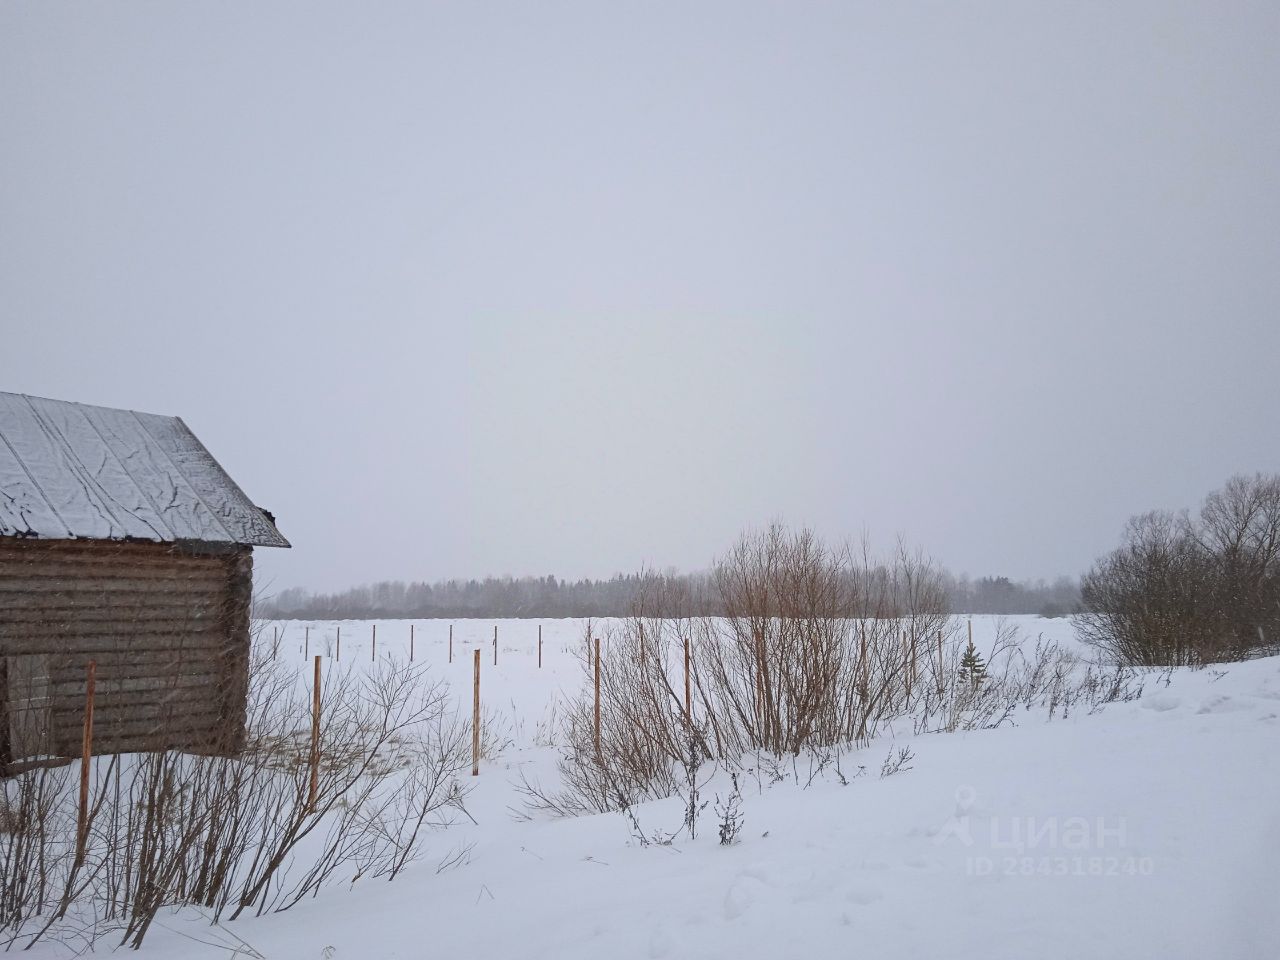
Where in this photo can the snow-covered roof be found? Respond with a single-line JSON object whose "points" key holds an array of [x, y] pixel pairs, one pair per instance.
{"points": [[71, 471]]}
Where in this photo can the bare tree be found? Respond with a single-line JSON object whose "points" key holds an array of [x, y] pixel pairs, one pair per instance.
{"points": [[1185, 590]]}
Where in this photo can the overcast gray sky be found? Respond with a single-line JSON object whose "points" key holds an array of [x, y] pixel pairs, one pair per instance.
{"points": [[534, 288]]}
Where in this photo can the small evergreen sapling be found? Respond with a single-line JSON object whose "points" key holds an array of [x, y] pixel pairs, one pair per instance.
{"points": [[972, 667]]}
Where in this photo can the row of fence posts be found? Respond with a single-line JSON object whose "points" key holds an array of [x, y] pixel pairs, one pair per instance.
{"points": [[911, 672], [373, 648], [86, 751], [594, 660], [314, 758]]}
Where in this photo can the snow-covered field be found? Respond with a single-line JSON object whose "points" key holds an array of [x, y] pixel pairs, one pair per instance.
{"points": [[1148, 829]]}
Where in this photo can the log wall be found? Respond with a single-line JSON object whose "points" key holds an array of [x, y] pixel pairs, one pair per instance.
{"points": [[168, 625]]}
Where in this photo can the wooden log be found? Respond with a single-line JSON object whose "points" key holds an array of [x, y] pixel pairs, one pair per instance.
{"points": [[18, 635], [141, 663], [110, 730], [110, 687], [209, 585], [135, 606], [149, 707], [114, 553]]}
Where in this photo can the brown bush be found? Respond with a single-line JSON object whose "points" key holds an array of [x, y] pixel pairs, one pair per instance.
{"points": [[1183, 590]]}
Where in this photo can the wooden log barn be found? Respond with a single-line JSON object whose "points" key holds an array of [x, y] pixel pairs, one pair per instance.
{"points": [[123, 542]]}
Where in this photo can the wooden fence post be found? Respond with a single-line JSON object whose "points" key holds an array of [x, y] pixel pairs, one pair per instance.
{"points": [[306, 643], [411, 643], [688, 703], [863, 661], [451, 643], [86, 752], [495, 644], [539, 646], [475, 722], [275, 642], [315, 738], [597, 698], [908, 663], [338, 655], [373, 650]]}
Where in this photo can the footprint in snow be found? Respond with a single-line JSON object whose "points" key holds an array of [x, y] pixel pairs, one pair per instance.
{"points": [[660, 943], [863, 894], [1221, 704], [1161, 703], [741, 897]]}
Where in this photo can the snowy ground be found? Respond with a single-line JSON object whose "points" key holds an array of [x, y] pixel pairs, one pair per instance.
{"points": [[1151, 829]]}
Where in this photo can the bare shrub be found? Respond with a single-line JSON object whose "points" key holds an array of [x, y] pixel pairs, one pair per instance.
{"points": [[817, 645], [34, 852], [1018, 679], [224, 832], [644, 730], [898, 761], [730, 813], [1183, 590], [816, 648], [373, 726]]}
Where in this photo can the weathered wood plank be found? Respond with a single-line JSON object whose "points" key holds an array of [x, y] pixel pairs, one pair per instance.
{"points": [[68, 630], [203, 586], [193, 741], [143, 706], [68, 688], [73, 645], [70, 561], [168, 628], [107, 550], [142, 660], [18, 608]]}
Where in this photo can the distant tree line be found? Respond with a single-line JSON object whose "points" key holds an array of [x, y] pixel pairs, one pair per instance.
{"points": [[502, 597], [549, 597], [1180, 589], [1000, 595]]}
